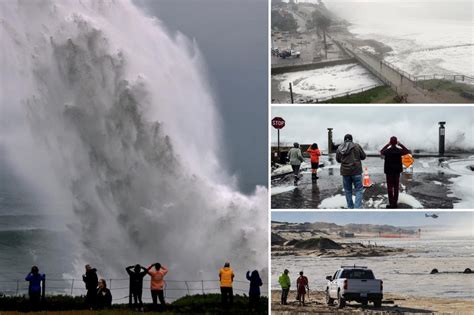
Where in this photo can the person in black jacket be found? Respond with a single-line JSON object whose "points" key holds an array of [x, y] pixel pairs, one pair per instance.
{"points": [[254, 291], [91, 280], [103, 297], [136, 283], [392, 168]]}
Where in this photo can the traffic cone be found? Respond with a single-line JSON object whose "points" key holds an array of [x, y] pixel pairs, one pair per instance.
{"points": [[366, 181]]}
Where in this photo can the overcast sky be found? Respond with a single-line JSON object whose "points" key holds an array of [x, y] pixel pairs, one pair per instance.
{"points": [[390, 218], [232, 36], [415, 126]]}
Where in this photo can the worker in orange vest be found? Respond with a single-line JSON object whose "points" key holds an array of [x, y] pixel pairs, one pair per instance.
{"points": [[226, 277], [314, 153]]}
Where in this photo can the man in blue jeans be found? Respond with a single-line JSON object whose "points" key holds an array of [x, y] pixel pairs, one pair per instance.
{"points": [[350, 155]]}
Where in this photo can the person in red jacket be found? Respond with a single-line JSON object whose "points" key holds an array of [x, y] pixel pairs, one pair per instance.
{"points": [[314, 153]]}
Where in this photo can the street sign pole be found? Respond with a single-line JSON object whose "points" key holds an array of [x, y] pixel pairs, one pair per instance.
{"points": [[278, 123], [278, 143]]}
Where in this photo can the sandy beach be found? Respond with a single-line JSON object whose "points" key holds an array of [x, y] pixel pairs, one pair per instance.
{"points": [[399, 304]]}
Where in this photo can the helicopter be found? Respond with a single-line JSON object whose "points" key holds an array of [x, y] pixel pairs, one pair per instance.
{"points": [[434, 215]]}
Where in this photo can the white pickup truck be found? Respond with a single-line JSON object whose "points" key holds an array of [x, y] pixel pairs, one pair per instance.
{"points": [[354, 283]]}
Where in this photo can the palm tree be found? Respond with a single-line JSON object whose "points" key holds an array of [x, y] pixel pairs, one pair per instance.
{"points": [[322, 22]]}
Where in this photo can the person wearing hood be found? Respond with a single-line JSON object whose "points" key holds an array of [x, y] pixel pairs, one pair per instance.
{"points": [[36, 280], [350, 155], [254, 291], [91, 280], [285, 283], [226, 277], [314, 153], [296, 158], [392, 168]]}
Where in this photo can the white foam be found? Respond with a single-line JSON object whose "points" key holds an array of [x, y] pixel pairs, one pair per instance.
{"points": [[281, 189], [326, 82]]}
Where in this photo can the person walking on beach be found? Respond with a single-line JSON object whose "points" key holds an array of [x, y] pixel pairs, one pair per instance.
{"points": [[285, 284], [136, 284], [36, 280], [91, 280], [350, 155], [296, 158], [314, 153], [104, 297], [254, 291], [392, 168], [157, 284], [302, 285], [226, 277]]}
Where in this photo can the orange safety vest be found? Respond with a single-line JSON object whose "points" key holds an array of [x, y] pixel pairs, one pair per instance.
{"points": [[408, 160], [226, 274], [314, 154]]}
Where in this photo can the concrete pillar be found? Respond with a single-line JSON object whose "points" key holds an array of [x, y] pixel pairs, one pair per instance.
{"points": [[330, 140], [441, 137]]}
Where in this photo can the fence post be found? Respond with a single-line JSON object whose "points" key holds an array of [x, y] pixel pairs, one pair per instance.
{"points": [[17, 286], [110, 284], [72, 287], [202, 286], [187, 287]]}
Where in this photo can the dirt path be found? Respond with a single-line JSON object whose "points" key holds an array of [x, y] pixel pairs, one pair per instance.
{"points": [[401, 305]]}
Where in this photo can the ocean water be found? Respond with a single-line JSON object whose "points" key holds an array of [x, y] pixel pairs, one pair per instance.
{"points": [[427, 37], [404, 274]]}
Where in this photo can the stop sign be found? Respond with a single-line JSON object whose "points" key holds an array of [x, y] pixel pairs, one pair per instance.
{"points": [[278, 122]]}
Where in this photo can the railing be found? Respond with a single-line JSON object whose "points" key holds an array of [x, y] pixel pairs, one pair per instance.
{"points": [[319, 100], [414, 78], [173, 290]]}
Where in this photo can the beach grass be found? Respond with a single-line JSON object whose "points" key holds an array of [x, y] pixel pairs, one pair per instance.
{"points": [[437, 84], [190, 304]]}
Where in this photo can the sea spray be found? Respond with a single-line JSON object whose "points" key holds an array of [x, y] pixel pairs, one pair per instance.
{"points": [[112, 122]]}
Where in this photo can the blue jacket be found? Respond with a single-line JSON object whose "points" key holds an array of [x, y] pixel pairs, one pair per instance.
{"points": [[35, 281]]}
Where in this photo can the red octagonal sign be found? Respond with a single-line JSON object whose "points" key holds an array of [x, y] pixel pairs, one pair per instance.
{"points": [[278, 122]]}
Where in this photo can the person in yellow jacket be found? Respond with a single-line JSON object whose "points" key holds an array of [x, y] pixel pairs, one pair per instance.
{"points": [[226, 277]]}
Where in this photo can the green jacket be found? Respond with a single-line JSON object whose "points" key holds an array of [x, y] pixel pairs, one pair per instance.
{"points": [[284, 281]]}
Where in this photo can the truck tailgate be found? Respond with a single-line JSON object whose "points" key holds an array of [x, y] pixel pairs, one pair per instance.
{"points": [[363, 286]]}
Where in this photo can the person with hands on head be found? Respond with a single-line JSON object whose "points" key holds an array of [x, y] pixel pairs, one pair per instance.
{"points": [[137, 273], [393, 167], [157, 284]]}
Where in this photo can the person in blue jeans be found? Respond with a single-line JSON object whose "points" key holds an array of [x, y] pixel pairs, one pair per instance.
{"points": [[350, 155], [34, 289]]}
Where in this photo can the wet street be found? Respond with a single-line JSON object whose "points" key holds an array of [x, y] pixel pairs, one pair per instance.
{"points": [[429, 186]]}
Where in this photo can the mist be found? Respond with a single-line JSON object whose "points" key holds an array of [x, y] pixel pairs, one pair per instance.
{"points": [[112, 123], [414, 126]]}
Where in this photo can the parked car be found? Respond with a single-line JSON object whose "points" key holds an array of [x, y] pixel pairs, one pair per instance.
{"points": [[289, 53], [354, 283]]}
